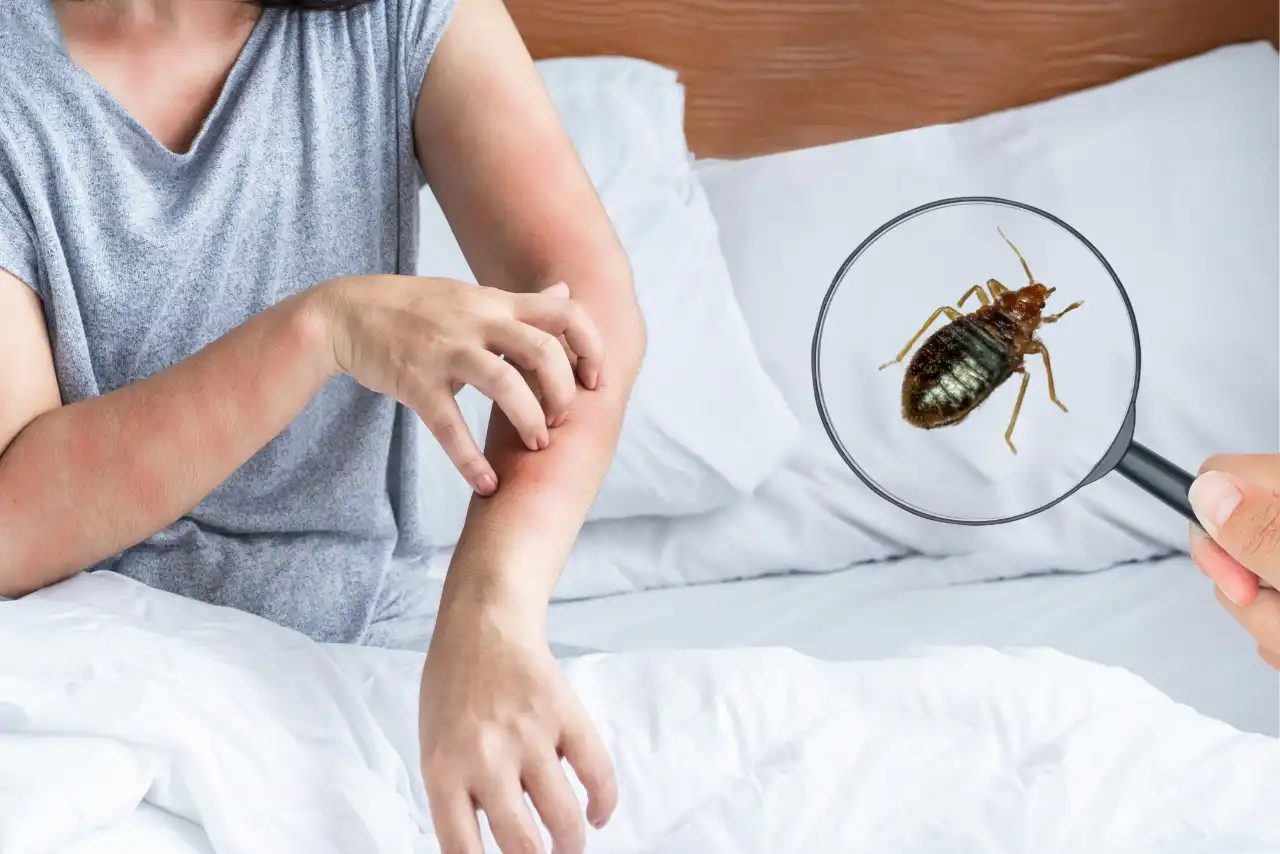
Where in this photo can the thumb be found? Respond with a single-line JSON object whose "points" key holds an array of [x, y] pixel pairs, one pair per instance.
{"points": [[1242, 518], [559, 289]]}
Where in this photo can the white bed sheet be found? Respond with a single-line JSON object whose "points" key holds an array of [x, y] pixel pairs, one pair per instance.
{"points": [[147, 831], [268, 741], [1156, 619]]}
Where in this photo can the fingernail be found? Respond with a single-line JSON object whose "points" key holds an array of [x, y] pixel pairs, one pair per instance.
{"points": [[486, 485], [1214, 499], [557, 290], [543, 441], [1233, 599]]}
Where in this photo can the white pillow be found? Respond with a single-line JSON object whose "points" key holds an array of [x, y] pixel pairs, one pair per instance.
{"points": [[1171, 173], [705, 424]]}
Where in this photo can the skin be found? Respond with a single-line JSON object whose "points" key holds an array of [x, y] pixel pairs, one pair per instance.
{"points": [[81, 482], [1236, 497]]}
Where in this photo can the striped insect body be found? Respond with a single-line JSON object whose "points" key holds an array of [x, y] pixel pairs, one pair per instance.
{"points": [[961, 364]]}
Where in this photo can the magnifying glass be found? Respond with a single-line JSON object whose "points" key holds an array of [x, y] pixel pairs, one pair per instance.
{"points": [[976, 361]]}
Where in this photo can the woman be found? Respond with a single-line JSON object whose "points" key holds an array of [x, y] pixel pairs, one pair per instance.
{"points": [[212, 359]]}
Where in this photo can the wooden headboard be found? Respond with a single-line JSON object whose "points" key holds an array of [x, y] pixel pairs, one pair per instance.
{"points": [[769, 75]]}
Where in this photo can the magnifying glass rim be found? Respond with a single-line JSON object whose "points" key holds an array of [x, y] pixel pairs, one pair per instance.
{"points": [[816, 354]]}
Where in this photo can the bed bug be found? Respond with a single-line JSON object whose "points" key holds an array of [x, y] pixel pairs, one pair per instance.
{"points": [[959, 366]]}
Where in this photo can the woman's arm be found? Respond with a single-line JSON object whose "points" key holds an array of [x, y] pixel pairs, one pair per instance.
{"points": [[496, 712], [80, 483], [526, 216]]}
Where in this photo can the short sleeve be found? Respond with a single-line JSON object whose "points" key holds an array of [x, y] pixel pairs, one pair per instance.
{"points": [[17, 241], [421, 24]]}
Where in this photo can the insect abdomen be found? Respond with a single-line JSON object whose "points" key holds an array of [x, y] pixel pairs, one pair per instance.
{"points": [[953, 371]]}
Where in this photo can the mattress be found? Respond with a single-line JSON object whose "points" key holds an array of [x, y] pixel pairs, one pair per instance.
{"points": [[1157, 619]]}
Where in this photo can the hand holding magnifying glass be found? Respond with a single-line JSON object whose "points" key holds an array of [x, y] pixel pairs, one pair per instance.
{"points": [[1237, 500]]}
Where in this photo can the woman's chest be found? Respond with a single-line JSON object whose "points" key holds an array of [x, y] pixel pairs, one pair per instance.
{"points": [[165, 72], [152, 274], [145, 262], [300, 174]]}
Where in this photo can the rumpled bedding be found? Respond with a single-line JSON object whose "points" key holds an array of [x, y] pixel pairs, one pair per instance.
{"points": [[119, 702]]}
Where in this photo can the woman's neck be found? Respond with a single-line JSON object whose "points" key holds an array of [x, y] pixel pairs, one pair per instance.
{"points": [[164, 61]]}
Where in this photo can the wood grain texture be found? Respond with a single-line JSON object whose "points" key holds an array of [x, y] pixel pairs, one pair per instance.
{"points": [[770, 75]]}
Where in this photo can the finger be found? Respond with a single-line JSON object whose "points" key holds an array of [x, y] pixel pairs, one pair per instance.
{"points": [[557, 805], [1260, 469], [1242, 518], [567, 317], [568, 352], [1261, 619], [541, 354], [454, 817], [582, 747], [559, 289], [1239, 584], [1271, 657], [444, 419], [511, 822], [562, 290], [501, 382]]}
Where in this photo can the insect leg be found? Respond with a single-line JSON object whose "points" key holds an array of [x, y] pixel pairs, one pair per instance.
{"points": [[1022, 391], [951, 314], [976, 289], [1037, 346], [1054, 318], [996, 288], [1030, 278]]}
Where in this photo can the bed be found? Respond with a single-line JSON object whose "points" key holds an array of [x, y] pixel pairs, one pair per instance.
{"points": [[1154, 618], [777, 659]]}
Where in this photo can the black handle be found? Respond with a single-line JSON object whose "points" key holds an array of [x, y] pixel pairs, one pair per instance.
{"points": [[1159, 477]]}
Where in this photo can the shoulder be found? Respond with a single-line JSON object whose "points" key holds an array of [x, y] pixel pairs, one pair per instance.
{"points": [[25, 38], [397, 19], [33, 78], [397, 32], [26, 31], [31, 57], [396, 37]]}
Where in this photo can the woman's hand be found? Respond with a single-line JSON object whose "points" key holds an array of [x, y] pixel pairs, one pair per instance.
{"points": [[419, 340], [496, 718], [1237, 500]]}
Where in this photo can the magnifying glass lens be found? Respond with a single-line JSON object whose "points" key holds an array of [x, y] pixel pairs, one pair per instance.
{"points": [[975, 360]]}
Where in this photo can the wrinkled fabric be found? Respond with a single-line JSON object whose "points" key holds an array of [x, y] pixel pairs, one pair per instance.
{"points": [[269, 741]]}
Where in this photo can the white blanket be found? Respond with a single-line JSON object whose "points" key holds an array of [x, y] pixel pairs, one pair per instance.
{"points": [[119, 704]]}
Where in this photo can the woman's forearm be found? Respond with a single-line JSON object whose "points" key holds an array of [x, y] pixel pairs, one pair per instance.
{"points": [[83, 482], [526, 216], [515, 542]]}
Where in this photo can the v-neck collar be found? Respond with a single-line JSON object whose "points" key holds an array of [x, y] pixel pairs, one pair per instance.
{"points": [[244, 60]]}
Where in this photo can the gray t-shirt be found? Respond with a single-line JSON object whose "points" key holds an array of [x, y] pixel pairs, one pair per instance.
{"points": [[305, 171]]}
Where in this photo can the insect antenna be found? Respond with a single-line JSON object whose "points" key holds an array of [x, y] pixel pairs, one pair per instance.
{"points": [[1030, 278]]}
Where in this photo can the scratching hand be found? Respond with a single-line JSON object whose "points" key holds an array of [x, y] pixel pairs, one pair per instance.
{"points": [[419, 340]]}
